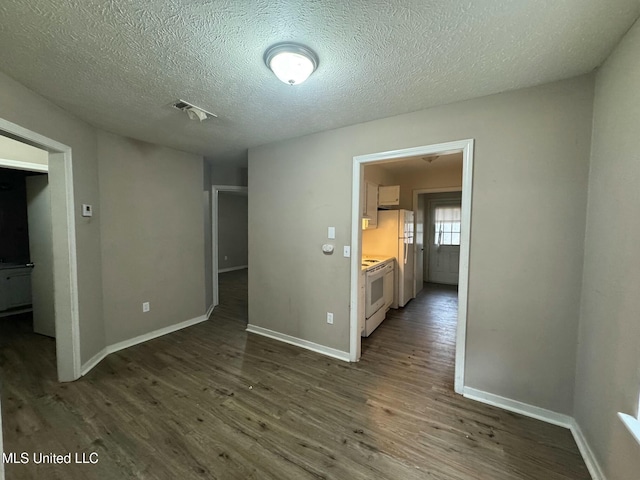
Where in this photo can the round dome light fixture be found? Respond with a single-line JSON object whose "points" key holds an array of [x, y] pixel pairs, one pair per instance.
{"points": [[292, 63]]}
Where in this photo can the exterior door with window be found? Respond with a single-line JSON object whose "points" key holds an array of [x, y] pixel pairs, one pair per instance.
{"points": [[444, 241], [419, 246]]}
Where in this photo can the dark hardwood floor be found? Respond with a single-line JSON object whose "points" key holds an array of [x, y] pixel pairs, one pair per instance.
{"points": [[214, 402]]}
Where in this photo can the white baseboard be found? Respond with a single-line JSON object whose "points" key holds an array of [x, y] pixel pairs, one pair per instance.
{"points": [[544, 415], [298, 342], [93, 361], [515, 406], [232, 269], [139, 339], [209, 311], [155, 334], [585, 450]]}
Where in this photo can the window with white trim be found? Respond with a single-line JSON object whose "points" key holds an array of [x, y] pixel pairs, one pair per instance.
{"points": [[447, 225]]}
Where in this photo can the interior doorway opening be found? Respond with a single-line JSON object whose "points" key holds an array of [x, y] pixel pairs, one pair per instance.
{"points": [[393, 232], [55, 161], [230, 238], [25, 243]]}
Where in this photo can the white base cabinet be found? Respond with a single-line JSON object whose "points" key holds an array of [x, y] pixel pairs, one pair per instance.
{"points": [[15, 288]]}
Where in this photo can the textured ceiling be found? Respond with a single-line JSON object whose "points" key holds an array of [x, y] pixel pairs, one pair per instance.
{"points": [[119, 63]]}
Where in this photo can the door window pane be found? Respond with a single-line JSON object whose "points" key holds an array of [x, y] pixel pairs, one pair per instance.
{"points": [[447, 225]]}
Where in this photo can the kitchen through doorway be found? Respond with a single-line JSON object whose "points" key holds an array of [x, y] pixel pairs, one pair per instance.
{"points": [[412, 210]]}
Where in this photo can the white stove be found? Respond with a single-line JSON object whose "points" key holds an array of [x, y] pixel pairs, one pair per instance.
{"points": [[378, 282], [369, 262]]}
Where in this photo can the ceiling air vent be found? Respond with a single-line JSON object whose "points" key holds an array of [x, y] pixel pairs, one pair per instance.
{"points": [[194, 113]]}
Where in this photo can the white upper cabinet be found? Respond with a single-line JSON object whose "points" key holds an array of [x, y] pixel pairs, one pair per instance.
{"points": [[370, 204], [389, 196]]}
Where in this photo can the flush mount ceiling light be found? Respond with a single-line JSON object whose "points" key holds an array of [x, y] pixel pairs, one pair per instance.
{"points": [[292, 63]]}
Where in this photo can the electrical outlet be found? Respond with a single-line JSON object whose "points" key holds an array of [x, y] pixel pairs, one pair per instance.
{"points": [[330, 318], [226, 257], [146, 307], [87, 210]]}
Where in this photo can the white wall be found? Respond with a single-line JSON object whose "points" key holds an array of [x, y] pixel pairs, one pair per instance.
{"points": [[528, 215], [608, 366], [152, 236]]}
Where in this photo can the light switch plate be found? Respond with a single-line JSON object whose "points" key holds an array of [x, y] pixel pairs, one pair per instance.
{"points": [[347, 251], [331, 232], [87, 210]]}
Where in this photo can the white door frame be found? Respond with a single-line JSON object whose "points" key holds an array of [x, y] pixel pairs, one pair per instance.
{"points": [[421, 191], [65, 266], [215, 189], [464, 146]]}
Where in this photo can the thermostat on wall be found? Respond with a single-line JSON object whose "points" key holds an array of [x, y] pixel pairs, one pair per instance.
{"points": [[87, 210]]}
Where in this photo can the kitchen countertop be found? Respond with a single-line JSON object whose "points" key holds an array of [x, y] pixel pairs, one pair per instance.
{"points": [[381, 261]]}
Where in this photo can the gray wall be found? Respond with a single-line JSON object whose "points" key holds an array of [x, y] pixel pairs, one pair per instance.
{"points": [[233, 226], [228, 175], [608, 368], [29, 110], [528, 218], [152, 236]]}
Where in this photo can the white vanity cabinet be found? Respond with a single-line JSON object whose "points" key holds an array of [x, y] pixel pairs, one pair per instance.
{"points": [[15, 287]]}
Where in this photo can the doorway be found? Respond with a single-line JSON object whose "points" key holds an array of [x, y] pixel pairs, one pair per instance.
{"points": [[442, 219], [26, 249], [463, 147], [56, 161], [421, 199], [229, 233]]}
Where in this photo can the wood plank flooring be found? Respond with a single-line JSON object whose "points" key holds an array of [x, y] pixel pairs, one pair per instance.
{"points": [[214, 402]]}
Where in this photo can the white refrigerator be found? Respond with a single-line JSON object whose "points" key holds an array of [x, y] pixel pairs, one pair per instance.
{"points": [[394, 238]]}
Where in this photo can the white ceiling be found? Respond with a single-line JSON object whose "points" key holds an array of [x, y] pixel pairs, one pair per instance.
{"points": [[118, 64]]}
